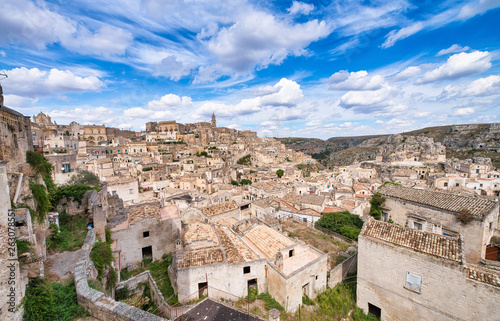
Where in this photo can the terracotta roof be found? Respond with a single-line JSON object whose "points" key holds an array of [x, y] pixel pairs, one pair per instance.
{"points": [[236, 250], [332, 210], [199, 231], [313, 199], [202, 257], [425, 242], [454, 203], [268, 240], [292, 199], [137, 213], [486, 276], [217, 209], [309, 211]]}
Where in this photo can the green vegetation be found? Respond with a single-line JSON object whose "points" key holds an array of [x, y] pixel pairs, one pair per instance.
{"points": [[23, 247], [235, 183], [70, 192], [41, 165], [245, 160], [280, 173], [42, 201], [336, 304], [246, 182], [212, 148], [102, 257], [377, 206], [389, 182], [84, 178], [322, 155], [344, 223], [70, 235], [46, 301], [147, 169], [203, 154]]}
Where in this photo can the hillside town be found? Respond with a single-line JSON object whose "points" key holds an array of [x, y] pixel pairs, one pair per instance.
{"points": [[215, 205]]}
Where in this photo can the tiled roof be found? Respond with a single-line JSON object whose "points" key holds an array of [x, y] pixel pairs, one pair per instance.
{"points": [[425, 242], [292, 199], [268, 240], [309, 211], [454, 203], [217, 209], [313, 199], [332, 210], [236, 250], [226, 221], [202, 257], [490, 277], [139, 212], [199, 231]]}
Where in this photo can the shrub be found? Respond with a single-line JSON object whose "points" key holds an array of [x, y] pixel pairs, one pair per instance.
{"points": [[246, 182], [245, 160], [84, 178], [377, 206], [70, 235], [343, 223], [41, 165], [42, 201], [280, 173], [39, 301], [70, 192]]}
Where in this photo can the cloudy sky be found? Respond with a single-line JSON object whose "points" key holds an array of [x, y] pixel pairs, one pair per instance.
{"points": [[281, 68]]}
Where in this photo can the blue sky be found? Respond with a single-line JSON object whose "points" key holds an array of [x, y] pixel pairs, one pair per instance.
{"points": [[281, 68]]}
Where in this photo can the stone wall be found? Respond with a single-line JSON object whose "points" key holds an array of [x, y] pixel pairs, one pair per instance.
{"points": [[340, 271], [97, 303]]}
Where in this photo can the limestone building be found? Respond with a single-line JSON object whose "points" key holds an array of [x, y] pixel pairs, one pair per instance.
{"points": [[443, 213], [409, 274], [216, 261]]}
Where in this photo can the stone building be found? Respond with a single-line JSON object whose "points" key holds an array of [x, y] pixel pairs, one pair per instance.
{"points": [[443, 213], [127, 188], [147, 231], [218, 262], [15, 136], [95, 134], [408, 274]]}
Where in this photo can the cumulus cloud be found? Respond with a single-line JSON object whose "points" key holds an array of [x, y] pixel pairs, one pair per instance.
{"points": [[170, 101], [407, 73], [313, 123], [483, 86], [260, 39], [453, 49], [463, 111], [459, 65], [367, 97], [35, 82], [97, 115], [16, 101], [285, 93], [300, 8], [360, 80]]}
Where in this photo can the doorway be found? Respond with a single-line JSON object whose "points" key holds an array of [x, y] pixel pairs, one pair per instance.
{"points": [[147, 253]]}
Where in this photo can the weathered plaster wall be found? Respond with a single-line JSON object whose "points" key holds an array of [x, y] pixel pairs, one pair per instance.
{"points": [[445, 294]]}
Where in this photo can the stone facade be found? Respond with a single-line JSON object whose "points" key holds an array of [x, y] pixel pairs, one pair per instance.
{"points": [[402, 283]]}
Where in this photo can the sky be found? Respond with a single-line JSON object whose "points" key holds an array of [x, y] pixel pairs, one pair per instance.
{"points": [[281, 68]]}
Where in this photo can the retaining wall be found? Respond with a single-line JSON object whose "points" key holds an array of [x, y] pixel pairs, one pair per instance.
{"points": [[340, 271]]}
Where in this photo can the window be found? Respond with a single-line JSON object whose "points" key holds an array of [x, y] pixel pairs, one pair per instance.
{"points": [[480, 185], [457, 184], [66, 168], [375, 310], [246, 270], [291, 253], [477, 170], [417, 226], [131, 191], [34, 133], [445, 184], [145, 234], [385, 216]]}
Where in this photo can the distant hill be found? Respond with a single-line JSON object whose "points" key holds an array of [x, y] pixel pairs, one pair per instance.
{"points": [[461, 141]]}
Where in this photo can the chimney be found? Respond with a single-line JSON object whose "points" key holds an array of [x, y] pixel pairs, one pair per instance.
{"points": [[279, 261]]}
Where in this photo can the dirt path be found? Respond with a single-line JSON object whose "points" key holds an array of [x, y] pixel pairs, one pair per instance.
{"points": [[60, 266]]}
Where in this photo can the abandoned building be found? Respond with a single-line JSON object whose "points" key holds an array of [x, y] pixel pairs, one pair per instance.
{"points": [[475, 219], [146, 231], [409, 274], [218, 262]]}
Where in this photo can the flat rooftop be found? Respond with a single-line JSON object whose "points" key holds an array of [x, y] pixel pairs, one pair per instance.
{"points": [[296, 262], [267, 240]]}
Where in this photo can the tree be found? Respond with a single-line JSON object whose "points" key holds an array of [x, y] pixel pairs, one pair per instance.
{"points": [[84, 178], [280, 173], [377, 206]]}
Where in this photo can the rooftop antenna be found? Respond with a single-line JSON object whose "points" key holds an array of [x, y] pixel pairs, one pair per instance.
{"points": [[3, 75]]}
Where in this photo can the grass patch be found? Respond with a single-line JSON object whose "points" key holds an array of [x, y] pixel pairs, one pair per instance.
{"points": [[70, 235], [46, 301]]}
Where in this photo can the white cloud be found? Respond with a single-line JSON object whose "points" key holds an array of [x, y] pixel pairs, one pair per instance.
{"points": [[35, 82], [285, 93], [300, 8], [23, 22], [483, 86], [360, 80], [459, 65], [313, 123], [407, 73], [423, 114], [403, 33], [259, 39], [172, 68], [463, 112], [399, 123], [453, 49], [347, 125], [3, 54], [367, 97], [170, 101], [19, 102], [97, 115]]}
